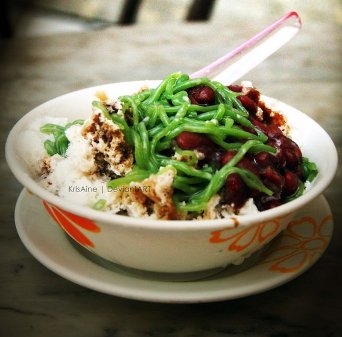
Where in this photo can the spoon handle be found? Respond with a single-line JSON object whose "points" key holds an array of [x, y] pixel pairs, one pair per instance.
{"points": [[232, 66]]}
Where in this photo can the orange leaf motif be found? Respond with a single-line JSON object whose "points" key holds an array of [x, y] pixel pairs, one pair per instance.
{"points": [[69, 221]]}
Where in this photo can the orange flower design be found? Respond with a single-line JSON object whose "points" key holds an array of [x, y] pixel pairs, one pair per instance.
{"points": [[240, 240], [69, 223], [303, 241]]}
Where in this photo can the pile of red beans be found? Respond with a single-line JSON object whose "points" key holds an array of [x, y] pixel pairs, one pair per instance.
{"points": [[281, 172]]}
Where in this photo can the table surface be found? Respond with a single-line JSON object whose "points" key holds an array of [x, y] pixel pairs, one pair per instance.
{"points": [[306, 74]]}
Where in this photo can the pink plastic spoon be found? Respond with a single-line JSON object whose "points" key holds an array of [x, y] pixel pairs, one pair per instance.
{"points": [[232, 66]]}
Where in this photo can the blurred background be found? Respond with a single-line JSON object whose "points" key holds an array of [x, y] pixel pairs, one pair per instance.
{"points": [[20, 18]]}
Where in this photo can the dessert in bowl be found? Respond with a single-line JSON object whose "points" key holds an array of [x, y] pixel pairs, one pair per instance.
{"points": [[171, 176]]}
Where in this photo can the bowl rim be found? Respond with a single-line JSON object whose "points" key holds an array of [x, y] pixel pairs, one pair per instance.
{"points": [[157, 224]]}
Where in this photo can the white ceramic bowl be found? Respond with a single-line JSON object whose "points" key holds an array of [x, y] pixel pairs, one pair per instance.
{"points": [[170, 246]]}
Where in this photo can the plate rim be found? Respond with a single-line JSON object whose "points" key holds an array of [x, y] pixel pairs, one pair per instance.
{"points": [[146, 289]]}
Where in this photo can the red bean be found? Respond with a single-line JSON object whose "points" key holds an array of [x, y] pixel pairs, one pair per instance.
{"points": [[236, 191], [254, 95], [227, 157], [272, 179], [267, 202], [245, 162], [290, 183], [281, 160], [279, 157], [261, 126], [248, 103], [264, 159], [235, 87], [248, 129], [289, 154], [295, 148], [270, 130], [273, 131], [190, 140], [291, 158], [299, 172], [201, 95]]}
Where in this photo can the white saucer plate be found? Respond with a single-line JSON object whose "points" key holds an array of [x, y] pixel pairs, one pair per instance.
{"points": [[288, 256]]}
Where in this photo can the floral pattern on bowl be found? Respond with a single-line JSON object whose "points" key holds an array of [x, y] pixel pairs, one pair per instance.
{"points": [[303, 241], [241, 240]]}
